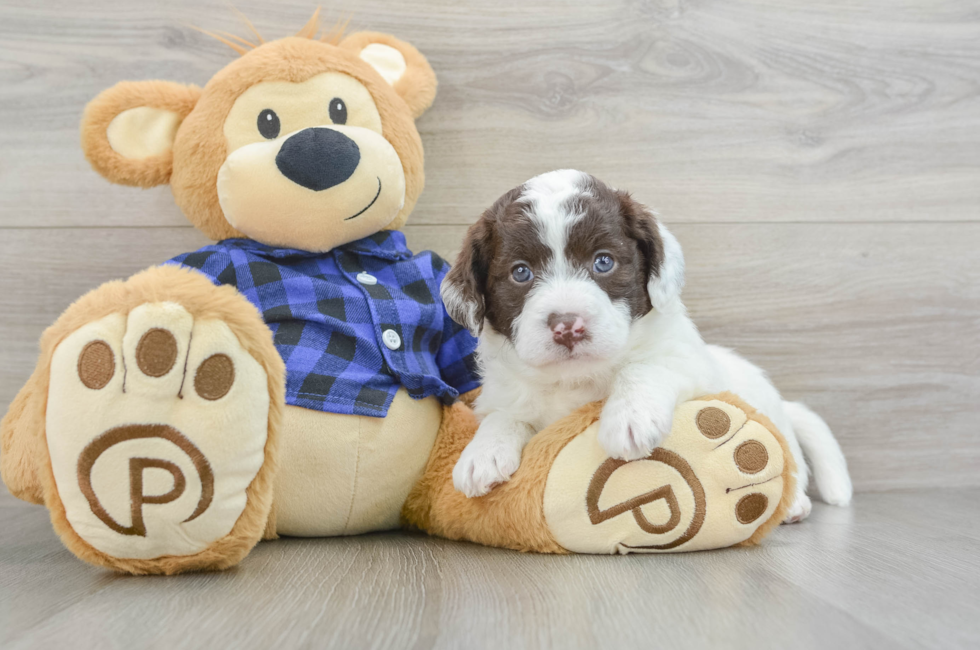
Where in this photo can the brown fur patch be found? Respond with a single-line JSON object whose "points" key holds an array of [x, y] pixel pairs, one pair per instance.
{"points": [[470, 275], [641, 226], [517, 242], [24, 458], [505, 235], [612, 223]]}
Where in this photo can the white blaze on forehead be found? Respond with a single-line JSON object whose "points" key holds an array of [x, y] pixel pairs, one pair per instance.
{"points": [[553, 203], [549, 198]]}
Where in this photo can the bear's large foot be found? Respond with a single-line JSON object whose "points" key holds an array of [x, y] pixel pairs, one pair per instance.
{"points": [[723, 476], [720, 478], [158, 427]]}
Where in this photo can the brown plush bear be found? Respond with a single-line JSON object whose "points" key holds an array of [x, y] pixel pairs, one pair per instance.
{"points": [[301, 376]]}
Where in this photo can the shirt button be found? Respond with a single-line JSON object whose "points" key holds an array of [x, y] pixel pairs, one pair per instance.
{"points": [[366, 278], [391, 339]]}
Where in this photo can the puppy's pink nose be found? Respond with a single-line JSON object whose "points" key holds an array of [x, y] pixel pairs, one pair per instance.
{"points": [[567, 329]]}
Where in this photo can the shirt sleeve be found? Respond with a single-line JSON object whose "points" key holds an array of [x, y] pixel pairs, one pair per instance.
{"points": [[456, 357], [213, 261]]}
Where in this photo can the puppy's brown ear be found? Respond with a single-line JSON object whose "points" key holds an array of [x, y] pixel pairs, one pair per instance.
{"points": [[400, 64], [464, 287], [662, 255], [128, 130]]}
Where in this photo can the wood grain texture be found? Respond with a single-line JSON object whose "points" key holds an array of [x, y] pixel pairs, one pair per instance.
{"points": [[898, 570], [712, 111], [820, 162], [869, 323]]}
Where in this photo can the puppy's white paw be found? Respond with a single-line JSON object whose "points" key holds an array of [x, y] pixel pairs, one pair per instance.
{"points": [[632, 429], [485, 463], [800, 510]]}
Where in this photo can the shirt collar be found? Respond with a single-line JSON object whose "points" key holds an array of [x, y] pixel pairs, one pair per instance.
{"points": [[386, 244]]}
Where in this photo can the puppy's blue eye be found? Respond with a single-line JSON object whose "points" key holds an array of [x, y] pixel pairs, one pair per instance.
{"points": [[603, 263], [521, 273]]}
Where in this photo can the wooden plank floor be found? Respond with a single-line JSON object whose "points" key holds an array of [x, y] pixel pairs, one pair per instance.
{"points": [[897, 570]]}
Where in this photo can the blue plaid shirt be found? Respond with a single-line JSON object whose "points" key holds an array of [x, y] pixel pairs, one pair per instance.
{"points": [[338, 316]]}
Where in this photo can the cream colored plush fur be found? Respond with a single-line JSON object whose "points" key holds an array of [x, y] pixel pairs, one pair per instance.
{"points": [[24, 457], [231, 432], [350, 474]]}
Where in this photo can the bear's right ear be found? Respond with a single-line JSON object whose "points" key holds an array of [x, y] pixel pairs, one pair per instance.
{"points": [[128, 130], [398, 63]]}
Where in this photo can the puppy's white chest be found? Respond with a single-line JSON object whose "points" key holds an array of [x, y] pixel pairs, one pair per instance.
{"points": [[559, 401]]}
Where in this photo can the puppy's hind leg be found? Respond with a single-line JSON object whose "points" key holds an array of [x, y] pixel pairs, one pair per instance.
{"points": [[801, 506]]}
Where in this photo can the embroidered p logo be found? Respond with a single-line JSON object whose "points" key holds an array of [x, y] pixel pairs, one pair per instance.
{"points": [[713, 482], [137, 466], [635, 504]]}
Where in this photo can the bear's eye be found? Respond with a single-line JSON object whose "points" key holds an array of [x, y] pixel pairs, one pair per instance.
{"points": [[338, 111], [268, 124]]}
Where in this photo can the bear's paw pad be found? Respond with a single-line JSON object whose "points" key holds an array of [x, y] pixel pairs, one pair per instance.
{"points": [[712, 483], [156, 426]]}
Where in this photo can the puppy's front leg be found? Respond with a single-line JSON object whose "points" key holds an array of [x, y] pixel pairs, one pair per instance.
{"points": [[640, 411], [492, 456]]}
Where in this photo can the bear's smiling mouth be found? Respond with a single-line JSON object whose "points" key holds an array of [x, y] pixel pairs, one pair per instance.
{"points": [[369, 204]]}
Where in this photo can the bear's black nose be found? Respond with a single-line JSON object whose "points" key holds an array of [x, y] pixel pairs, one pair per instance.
{"points": [[318, 158]]}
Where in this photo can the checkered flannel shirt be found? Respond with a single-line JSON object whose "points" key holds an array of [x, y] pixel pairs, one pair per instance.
{"points": [[329, 320]]}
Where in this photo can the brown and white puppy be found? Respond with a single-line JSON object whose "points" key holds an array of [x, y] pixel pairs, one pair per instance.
{"points": [[574, 290]]}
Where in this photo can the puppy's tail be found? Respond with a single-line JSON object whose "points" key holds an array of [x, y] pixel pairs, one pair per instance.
{"points": [[823, 453]]}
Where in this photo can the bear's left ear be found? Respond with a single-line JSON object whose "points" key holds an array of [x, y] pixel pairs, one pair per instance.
{"points": [[400, 64], [128, 130]]}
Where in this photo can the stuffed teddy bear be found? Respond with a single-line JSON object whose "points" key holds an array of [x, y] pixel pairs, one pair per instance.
{"points": [[301, 376]]}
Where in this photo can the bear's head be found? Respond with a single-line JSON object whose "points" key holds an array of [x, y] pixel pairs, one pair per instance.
{"points": [[300, 143]]}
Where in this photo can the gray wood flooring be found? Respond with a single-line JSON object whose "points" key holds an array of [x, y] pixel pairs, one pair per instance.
{"points": [[897, 570]]}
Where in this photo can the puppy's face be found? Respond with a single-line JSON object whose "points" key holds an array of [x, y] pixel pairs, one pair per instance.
{"points": [[561, 266]]}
